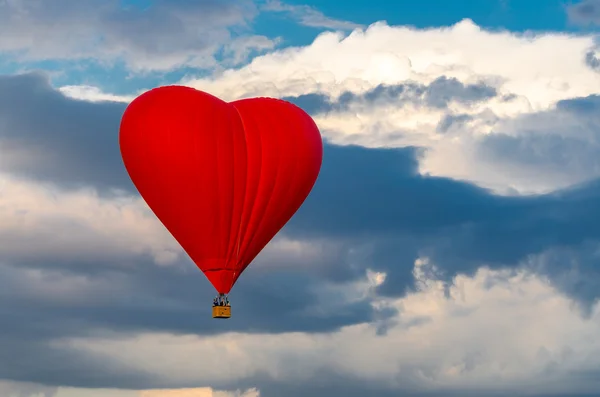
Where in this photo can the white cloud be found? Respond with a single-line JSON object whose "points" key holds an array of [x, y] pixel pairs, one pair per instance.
{"points": [[199, 392], [21, 389], [531, 72], [239, 49], [496, 329], [309, 16], [542, 68], [42, 221], [92, 94]]}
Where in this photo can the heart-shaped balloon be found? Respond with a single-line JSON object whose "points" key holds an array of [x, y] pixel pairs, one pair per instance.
{"points": [[222, 177]]}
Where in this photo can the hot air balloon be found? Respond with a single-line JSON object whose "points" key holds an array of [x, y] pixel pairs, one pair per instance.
{"points": [[222, 177]]}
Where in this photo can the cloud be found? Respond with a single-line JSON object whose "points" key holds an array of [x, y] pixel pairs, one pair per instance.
{"points": [[309, 16], [411, 87], [411, 211], [439, 94], [90, 226], [239, 49], [376, 87], [586, 12], [591, 59], [382, 54], [163, 36], [433, 275], [489, 330], [43, 303], [555, 148], [198, 392], [461, 226], [49, 136], [376, 199], [19, 389], [495, 329], [92, 94]]}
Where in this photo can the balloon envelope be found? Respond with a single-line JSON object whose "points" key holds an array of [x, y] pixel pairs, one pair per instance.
{"points": [[222, 177]]}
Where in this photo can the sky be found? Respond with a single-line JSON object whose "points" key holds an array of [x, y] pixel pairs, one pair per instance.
{"points": [[450, 247]]}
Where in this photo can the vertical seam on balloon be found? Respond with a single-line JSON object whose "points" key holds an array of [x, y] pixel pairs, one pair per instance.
{"points": [[270, 196], [218, 190], [169, 148], [254, 200], [286, 192], [195, 122], [305, 192], [218, 137], [228, 254], [232, 182], [244, 202]]}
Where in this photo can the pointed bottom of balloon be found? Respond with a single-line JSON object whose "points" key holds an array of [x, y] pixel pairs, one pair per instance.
{"points": [[221, 279]]}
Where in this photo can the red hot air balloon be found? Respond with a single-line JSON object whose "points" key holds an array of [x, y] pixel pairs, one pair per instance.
{"points": [[222, 177]]}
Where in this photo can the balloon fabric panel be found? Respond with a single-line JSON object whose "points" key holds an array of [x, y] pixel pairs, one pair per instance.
{"points": [[222, 177]]}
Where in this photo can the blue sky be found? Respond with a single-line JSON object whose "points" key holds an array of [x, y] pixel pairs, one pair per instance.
{"points": [[505, 14], [449, 248]]}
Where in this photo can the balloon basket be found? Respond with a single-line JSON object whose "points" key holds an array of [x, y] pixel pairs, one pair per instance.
{"points": [[221, 311]]}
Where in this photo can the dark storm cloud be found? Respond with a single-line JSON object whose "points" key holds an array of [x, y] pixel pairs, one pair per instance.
{"points": [[450, 120], [377, 194], [438, 94], [585, 106], [574, 269], [556, 147], [45, 135], [592, 60], [335, 385], [29, 360], [145, 298], [378, 191], [444, 90], [585, 12]]}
